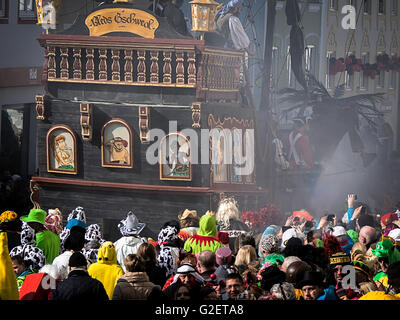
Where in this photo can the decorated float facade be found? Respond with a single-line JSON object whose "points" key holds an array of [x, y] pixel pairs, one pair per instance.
{"points": [[120, 85]]}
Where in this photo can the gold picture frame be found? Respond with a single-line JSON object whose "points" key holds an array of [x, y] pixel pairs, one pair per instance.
{"points": [[116, 144], [175, 161], [61, 150]]}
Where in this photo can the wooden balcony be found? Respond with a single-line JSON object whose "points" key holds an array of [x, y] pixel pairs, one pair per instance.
{"points": [[212, 71]]}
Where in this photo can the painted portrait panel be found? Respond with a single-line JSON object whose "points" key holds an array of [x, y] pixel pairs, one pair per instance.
{"points": [[220, 166], [174, 158], [117, 144], [61, 150]]}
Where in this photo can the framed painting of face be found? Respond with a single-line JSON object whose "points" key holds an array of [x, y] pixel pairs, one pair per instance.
{"points": [[174, 158], [116, 144], [61, 150]]}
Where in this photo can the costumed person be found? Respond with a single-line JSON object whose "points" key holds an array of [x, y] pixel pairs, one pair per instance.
{"points": [[387, 254], [76, 217], [54, 221], [228, 25], [228, 220], [345, 240], [8, 281], [273, 230], [205, 239], [93, 241], [79, 286], [186, 274], [295, 273], [189, 222], [168, 254], [130, 241], [298, 142], [33, 257], [46, 240], [74, 243], [106, 269]]}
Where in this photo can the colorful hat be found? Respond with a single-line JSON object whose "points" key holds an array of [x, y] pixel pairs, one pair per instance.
{"points": [[269, 243], [8, 215], [223, 237], [312, 278], [131, 225], [188, 214], [78, 213], [35, 215], [353, 235], [290, 233], [224, 256], [389, 218], [339, 258], [361, 266], [54, 221], [339, 231]]}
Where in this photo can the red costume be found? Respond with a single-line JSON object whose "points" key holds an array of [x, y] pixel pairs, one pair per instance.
{"points": [[299, 154]]}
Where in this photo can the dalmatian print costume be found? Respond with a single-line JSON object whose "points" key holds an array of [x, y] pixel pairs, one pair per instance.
{"points": [[168, 256], [33, 257], [79, 214]]}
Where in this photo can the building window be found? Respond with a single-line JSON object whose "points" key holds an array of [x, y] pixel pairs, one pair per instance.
{"points": [[291, 77], [352, 3], [333, 5], [3, 10], [349, 77], [381, 7], [364, 76], [393, 77], [367, 7], [310, 59], [275, 65], [27, 10], [330, 78], [394, 7]]}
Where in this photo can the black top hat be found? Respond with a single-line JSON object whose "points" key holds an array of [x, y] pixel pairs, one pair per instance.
{"points": [[311, 278]]}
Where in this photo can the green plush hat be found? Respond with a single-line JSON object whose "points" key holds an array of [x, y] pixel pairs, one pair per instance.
{"points": [[35, 215], [387, 249], [353, 235], [274, 259]]}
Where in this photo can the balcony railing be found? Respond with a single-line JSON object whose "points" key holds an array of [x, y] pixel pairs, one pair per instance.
{"points": [[143, 62]]}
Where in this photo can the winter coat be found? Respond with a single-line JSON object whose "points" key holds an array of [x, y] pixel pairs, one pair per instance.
{"points": [[133, 286], [106, 269], [79, 286]]}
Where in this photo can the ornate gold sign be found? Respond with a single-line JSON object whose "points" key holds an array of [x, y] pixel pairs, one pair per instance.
{"points": [[122, 20]]}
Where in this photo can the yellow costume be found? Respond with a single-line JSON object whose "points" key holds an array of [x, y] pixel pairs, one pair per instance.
{"points": [[8, 281], [106, 269]]}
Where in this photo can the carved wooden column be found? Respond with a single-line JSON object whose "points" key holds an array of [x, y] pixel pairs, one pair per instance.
{"points": [[86, 121], [180, 70], [77, 66], [167, 69], [192, 68], [103, 64], [128, 67], [40, 109], [144, 124], [196, 114], [141, 67], [34, 196], [51, 67], [154, 66], [115, 67], [64, 66], [89, 64]]}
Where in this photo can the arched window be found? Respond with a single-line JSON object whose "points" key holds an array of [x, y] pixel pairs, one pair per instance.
{"points": [[116, 144], [61, 150], [174, 157]]}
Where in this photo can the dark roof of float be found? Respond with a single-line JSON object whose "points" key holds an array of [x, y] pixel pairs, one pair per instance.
{"points": [[165, 30]]}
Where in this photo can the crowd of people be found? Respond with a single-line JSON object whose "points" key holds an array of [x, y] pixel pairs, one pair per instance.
{"points": [[222, 255]]}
